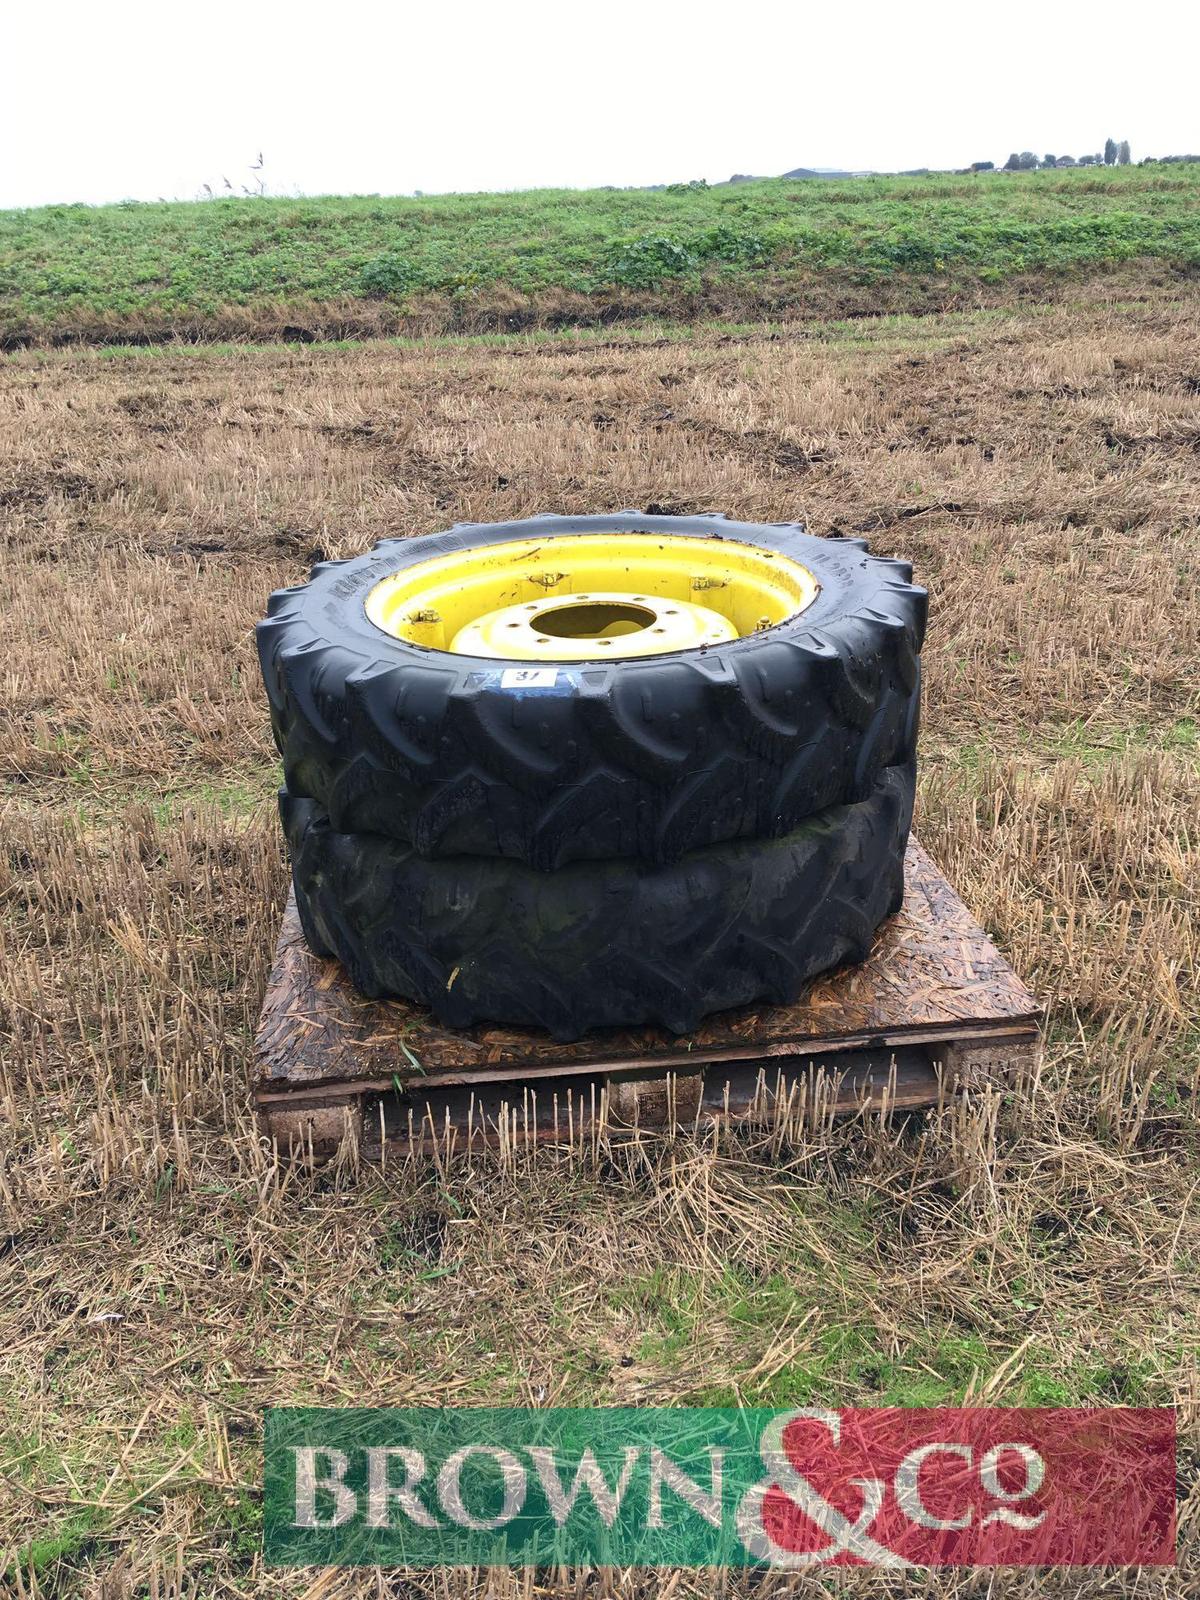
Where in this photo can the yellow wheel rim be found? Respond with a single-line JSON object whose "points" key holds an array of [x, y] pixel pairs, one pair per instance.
{"points": [[590, 597]]}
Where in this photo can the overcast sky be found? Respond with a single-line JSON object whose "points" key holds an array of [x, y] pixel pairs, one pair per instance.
{"points": [[129, 100]]}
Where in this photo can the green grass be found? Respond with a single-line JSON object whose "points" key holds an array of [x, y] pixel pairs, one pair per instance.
{"points": [[148, 268], [71, 1540], [846, 1356], [1092, 744]]}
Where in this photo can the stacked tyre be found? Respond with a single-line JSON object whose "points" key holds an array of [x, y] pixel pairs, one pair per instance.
{"points": [[581, 772]]}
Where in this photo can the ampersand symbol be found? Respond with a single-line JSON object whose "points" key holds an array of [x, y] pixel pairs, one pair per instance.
{"points": [[845, 1536]]}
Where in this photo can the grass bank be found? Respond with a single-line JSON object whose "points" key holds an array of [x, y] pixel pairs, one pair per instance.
{"points": [[360, 266]]}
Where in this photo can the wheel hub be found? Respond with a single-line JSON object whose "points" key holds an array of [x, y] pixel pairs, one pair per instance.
{"points": [[583, 626]]}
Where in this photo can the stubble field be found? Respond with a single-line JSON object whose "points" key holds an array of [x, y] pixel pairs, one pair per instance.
{"points": [[163, 1278]]}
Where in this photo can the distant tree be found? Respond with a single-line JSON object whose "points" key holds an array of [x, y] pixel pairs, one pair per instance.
{"points": [[983, 166], [1066, 161], [1013, 164], [1123, 154], [1088, 161], [1049, 161], [1110, 152], [1027, 161]]}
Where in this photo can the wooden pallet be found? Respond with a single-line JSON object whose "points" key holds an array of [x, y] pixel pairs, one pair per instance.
{"points": [[935, 1007]]}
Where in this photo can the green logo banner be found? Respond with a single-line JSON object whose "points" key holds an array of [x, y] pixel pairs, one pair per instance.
{"points": [[497, 1486]]}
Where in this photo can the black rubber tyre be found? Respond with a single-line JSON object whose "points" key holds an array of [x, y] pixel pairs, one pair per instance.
{"points": [[603, 944], [645, 758]]}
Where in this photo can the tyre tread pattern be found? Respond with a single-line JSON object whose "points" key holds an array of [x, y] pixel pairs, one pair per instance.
{"points": [[602, 944]]}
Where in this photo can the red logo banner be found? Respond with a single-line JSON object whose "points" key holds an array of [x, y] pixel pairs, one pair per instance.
{"points": [[965, 1487]]}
